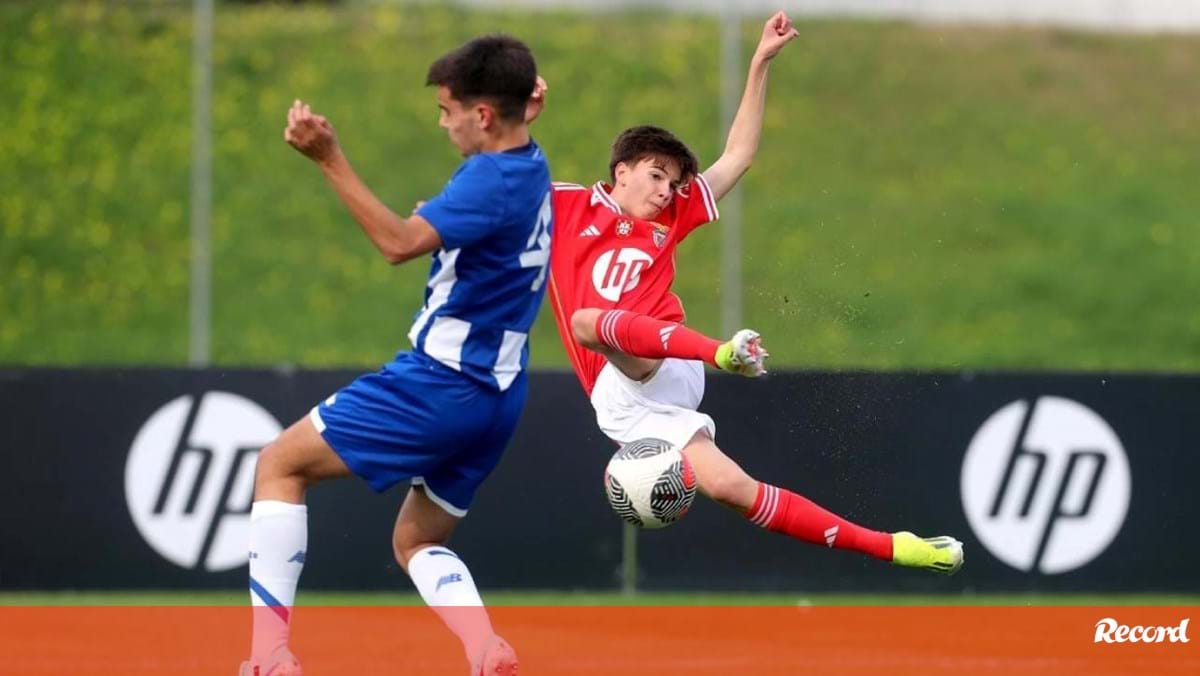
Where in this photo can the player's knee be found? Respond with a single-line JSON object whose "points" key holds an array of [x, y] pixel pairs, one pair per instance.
{"points": [[730, 487], [583, 326], [270, 464], [274, 474]]}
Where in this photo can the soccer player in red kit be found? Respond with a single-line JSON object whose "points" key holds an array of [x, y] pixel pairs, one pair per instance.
{"points": [[612, 265]]}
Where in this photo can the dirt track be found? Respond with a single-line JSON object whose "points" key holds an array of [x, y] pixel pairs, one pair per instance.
{"points": [[871, 641]]}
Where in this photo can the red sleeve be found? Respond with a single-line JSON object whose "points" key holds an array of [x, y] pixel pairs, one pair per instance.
{"points": [[565, 199], [693, 206]]}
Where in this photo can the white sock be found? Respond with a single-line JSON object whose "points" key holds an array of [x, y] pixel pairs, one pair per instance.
{"points": [[278, 543], [447, 586]]}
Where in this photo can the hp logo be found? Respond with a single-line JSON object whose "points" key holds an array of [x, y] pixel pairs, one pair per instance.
{"points": [[618, 272], [1046, 485], [189, 478]]}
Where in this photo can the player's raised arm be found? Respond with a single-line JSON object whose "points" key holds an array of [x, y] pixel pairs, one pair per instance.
{"points": [[746, 129], [398, 239]]}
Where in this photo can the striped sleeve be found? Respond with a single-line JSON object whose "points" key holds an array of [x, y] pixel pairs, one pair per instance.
{"points": [[560, 186], [694, 206]]}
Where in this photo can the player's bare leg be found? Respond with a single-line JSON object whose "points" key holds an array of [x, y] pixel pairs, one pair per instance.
{"points": [[718, 477], [422, 530], [782, 511], [635, 343], [286, 468], [299, 458]]}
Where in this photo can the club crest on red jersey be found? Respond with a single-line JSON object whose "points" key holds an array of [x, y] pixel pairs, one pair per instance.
{"points": [[624, 227], [659, 234]]}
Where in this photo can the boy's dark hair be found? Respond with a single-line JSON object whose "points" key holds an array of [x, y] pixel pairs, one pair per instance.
{"points": [[637, 143], [497, 68]]}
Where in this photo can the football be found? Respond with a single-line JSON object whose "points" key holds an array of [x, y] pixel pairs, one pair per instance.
{"points": [[649, 483]]}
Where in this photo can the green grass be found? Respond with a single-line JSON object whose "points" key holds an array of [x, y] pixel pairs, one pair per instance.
{"points": [[925, 197], [554, 598]]}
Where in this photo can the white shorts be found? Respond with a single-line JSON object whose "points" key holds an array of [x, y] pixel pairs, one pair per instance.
{"points": [[663, 407]]}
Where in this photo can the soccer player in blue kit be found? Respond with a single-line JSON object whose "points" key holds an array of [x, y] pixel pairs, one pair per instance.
{"points": [[489, 236]]}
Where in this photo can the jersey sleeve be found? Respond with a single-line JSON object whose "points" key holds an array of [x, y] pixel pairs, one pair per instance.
{"points": [[470, 207], [694, 206], [567, 199]]}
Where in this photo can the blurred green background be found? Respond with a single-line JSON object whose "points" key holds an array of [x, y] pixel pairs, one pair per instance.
{"points": [[925, 197]]}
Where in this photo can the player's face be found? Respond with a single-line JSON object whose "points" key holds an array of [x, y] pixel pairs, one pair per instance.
{"points": [[645, 189], [460, 121]]}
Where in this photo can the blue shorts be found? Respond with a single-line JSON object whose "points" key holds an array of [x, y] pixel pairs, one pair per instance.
{"points": [[421, 420]]}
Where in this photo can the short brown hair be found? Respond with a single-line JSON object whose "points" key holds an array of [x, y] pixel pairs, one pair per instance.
{"points": [[498, 68], [638, 143]]}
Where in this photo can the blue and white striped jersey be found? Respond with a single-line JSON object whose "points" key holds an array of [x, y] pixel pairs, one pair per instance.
{"points": [[487, 281]]}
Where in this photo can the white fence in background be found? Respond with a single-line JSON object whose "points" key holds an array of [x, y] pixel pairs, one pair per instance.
{"points": [[1101, 15]]}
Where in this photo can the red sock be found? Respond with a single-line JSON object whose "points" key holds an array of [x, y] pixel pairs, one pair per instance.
{"points": [[644, 336], [785, 512]]}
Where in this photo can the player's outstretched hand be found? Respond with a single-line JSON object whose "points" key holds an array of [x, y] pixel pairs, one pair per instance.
{"points": [[537, 100], [777, 32], [311, 134]]}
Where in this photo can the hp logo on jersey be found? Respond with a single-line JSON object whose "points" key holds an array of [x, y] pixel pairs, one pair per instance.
{"points": [[189, 478], [618, 272], [1046, 485]]}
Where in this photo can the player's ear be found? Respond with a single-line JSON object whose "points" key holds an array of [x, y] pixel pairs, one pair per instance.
{"points": [[485, 115], [620, 172]]}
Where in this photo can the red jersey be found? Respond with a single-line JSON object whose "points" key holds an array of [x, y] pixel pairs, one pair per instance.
{"points": [[602, 258]]}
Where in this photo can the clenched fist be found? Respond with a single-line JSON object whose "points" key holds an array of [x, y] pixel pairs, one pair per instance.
{"points": [[537, 100], [777, 32], [311, 134]]}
